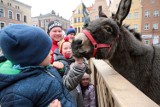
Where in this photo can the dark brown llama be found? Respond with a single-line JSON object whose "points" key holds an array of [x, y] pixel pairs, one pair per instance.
{"points": [[107, 38]]}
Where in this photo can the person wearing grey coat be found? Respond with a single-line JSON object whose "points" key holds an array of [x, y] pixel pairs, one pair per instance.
{"points": [[72, 74]]}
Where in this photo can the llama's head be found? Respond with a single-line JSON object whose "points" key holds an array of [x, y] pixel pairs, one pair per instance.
{"points": [[100, 37]]}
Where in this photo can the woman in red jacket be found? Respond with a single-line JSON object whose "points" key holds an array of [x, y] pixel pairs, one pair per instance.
{"points": [[55, 32]]}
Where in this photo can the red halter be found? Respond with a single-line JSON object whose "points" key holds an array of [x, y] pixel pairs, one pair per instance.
{"points": [[94, 43]]}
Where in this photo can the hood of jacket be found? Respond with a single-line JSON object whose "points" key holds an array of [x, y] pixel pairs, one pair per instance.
{"points": [[6, 67], [9, 75]]}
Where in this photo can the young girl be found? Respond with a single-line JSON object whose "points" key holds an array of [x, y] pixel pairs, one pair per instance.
{"points": [[88, 91]]}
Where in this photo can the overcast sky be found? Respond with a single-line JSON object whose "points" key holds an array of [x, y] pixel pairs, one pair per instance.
{"points": [[63, 7]]}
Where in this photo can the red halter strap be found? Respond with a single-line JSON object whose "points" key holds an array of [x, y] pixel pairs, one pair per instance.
{"points": [[94, 43]]}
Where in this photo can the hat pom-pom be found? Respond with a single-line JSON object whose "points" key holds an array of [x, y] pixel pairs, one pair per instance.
{"points": [[66, 38]]}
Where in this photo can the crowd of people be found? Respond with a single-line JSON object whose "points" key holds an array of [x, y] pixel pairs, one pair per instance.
{"points": [[37, 69]]}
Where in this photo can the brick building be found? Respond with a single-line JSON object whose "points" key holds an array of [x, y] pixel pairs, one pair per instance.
{"points": [[151, 21], [14, 12]]}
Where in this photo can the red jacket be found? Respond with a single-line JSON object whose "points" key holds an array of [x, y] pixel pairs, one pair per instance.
{"points": [[54, 46]]}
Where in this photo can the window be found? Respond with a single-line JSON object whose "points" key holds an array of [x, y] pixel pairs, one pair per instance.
{"points": [[146, 26], [25, 18], [79, 11], [2, 25], [79, 19], [82, 19], [135, 26], [9, 4], [75, 20], [155, 39], [152, 1], [76, 29], [147, 13], [129, 16], [46, 23], [155, 25], [156, 13], [136, 15], [10, 14], [18, 17], [1, 12], [17, 7], [42, 23]]}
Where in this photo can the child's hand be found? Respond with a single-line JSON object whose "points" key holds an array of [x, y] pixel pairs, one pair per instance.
{"points": [[58, 65], [55, 103], [79, 60]]}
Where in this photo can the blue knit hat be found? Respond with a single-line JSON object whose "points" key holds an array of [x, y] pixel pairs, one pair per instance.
{"points": [[24, 45], [71, 30]]}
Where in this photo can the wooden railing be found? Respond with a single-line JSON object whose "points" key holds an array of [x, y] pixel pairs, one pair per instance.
{"points": [[113, 90]]}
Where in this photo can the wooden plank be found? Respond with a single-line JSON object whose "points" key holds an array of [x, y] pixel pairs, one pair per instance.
{"points": [[123, 92]]}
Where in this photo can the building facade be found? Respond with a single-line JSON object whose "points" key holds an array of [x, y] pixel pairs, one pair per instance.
{"points": [[134, 18], [113, 7], [77, 18], [14, 12], [150, 21], [144, 17], [43, 20], [94, 11]]}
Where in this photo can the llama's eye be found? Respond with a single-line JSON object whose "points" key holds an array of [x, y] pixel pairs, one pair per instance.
{"points": [[109, 29]]}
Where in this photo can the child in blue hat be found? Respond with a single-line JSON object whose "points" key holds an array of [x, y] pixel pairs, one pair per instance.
{"points": [[71, 32], [26, 77]]}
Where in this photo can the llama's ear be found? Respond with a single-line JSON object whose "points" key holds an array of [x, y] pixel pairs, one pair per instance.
{"points": [[101, 14], [123, 10]]}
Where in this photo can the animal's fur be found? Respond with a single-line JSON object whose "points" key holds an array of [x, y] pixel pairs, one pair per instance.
{"points": [[138, 63]]}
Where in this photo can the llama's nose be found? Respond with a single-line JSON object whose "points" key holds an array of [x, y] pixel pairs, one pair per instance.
{"points": [[79, 42], [76, 44]]}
